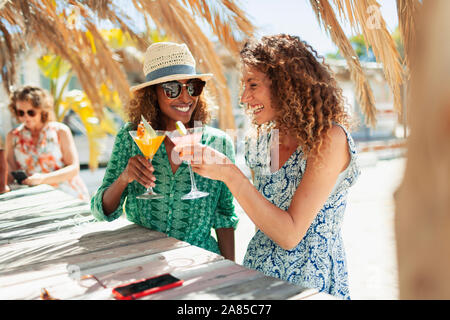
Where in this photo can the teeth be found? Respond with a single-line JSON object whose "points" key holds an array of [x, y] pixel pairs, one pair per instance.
{"points": [[182, 109], [257, 108]]}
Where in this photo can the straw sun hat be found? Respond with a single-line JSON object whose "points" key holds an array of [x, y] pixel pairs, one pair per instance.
{"points": [[167, 61]]}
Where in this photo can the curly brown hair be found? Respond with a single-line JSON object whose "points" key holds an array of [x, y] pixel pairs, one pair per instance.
{"points": [[145, 102], [303, 90], [39, 99]]}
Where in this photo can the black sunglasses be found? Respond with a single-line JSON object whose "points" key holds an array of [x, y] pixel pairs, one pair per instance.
{"points": [[30, 112], [172, 89]]}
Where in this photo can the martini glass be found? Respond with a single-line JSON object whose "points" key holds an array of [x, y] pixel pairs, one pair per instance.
{"points": [[193, 136], [148, 148]]}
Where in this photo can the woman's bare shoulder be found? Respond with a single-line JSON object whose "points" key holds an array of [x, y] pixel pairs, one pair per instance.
{"points": [[337, 135]]}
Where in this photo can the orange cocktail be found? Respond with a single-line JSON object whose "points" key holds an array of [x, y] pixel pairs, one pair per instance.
{"points": [[148, 144]]}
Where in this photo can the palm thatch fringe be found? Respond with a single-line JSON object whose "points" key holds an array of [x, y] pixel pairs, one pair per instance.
{"points": [[10, 44], [224, 25], [73, 35], [407, 17], [326, 16], [71, 32], [364, 17], [375, 32]]}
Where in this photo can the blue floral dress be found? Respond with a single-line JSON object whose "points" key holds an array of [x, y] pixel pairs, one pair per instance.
{"points": [[318, 261]]}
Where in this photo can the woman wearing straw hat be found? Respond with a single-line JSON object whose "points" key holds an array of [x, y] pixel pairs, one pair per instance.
{"points": [[304, 164], [172, 92]]}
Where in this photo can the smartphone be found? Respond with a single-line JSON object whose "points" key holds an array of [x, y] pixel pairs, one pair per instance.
{"points": [[140, 288], [19, 175]]}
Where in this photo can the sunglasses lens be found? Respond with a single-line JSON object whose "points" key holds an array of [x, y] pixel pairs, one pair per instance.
{"points": [[195, 88], [171, 89], [21, 113]]}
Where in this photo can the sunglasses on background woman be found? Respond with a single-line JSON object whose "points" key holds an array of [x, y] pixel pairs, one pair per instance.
{"points": [[21, 113]]}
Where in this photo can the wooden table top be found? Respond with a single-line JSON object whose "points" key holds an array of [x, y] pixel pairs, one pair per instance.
{"points": [[50, 240]]}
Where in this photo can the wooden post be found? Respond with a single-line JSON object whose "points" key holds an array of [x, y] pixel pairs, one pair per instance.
{"points": [[3, 170], [422, 223]]}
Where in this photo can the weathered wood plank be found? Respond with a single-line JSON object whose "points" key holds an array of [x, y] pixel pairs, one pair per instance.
{"points": [[39, 219], [265, 287], [181, 273], [31, 213], [231, 281], [24, 192], [61, 244], [320, 296], [64, 235], [175, 262], [84, 262], [304, 295], [62, 277], [27, 230], [43, 204], [197, 286], [163, 262], [65, 286]]}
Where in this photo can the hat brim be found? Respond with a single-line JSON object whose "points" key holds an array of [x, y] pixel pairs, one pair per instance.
{"points": [[204, 76]]}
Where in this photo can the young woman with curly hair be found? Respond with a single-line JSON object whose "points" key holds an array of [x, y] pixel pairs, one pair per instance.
{"points": [[172, 92], [303, 160]]}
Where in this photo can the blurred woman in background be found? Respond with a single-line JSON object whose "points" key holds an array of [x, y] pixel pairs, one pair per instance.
{"points": [[40, 146]]}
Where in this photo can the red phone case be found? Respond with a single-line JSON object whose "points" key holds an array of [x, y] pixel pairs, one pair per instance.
{"points": [[117, 295]]}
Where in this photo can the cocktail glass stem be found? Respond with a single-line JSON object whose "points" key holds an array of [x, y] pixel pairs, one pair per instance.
{"points": [[194, 193], [193, 185], [149, 193], [193, 137]]}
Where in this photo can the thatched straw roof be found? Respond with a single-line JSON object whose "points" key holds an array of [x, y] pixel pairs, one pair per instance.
{"points": [[70, 31], [364, 17]]}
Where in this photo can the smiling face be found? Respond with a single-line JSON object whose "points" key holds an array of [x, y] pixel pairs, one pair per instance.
{"points": [[257, 95], [178, 109], [29, 115]]}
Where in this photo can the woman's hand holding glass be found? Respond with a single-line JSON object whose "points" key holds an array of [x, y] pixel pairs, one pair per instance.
{"points": [[205, 160], [184, 137], [139, 169]]}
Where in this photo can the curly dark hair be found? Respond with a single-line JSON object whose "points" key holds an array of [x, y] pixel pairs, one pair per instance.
{"points": [[145, 102], [39, 99], [303, 90]]}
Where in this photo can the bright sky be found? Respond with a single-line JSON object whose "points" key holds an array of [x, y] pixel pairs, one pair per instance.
{"points": [[283, 16], [298, 18]]}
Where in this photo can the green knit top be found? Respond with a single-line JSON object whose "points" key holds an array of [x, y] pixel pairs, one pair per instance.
{"points": [[186, 220]]}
